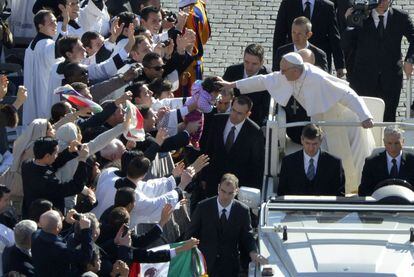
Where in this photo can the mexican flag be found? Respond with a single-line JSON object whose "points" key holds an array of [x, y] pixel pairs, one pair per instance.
{"points": [[136, 130], [190, 263]]}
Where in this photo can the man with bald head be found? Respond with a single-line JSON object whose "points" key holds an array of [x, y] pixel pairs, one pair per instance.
{"points": [[51, 256], [324, 97]]}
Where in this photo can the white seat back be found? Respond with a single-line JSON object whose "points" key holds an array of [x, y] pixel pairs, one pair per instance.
{"points": [[376, 106]]}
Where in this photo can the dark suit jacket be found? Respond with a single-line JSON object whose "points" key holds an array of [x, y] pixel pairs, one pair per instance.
{"points": [[15, 260], [222, 247], [376, 170], [300, 113], [52, 257], [320, 56], [375, 57], [245, 159], [261, 99], [41, 182], [329, 178], [324, 28]]}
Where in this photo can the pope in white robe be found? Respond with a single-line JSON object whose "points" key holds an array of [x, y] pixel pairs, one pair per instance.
{"points": [[324, 97], [38, 61]]}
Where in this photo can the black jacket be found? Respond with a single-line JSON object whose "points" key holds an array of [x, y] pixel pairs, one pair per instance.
{"points": [[245, 159], [376, 170], [221, 248], [260, 99], [41, 182], [52, 257], [15, 260], [329, 178], [324, 27]]}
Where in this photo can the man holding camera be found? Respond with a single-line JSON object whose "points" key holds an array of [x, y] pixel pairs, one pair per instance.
{"points": [[51, 255], [377, 68]]}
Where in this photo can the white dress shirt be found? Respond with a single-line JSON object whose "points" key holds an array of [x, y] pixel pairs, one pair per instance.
{"points": [[312, 5], [220, 208], [306, 159], [389, 161], [228, 127], [375, 15]]}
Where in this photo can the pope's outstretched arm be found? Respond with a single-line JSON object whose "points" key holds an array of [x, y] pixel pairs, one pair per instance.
{"points": [[248, 85]]}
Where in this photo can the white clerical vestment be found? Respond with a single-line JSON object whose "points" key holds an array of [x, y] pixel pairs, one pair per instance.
{"points": [[38, 61], [324, 97]]}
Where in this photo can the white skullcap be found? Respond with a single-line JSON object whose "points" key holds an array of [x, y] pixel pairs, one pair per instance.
{"points": [[293, 58], [183, 3]]}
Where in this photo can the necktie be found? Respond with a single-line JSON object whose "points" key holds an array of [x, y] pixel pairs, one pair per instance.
{"points": [[307, 10], [380, 27], [311, 170], [230, 139], [223, 218], [394, 169]]}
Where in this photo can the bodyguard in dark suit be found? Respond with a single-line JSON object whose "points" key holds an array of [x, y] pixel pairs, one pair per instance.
{"points": [[222, 224], [377, 68], [324, 25], [252, 65], [301, 32], [311, 171], [391, 163], [235, 145]]}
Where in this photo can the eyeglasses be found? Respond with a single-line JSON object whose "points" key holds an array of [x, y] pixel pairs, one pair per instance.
{"points": [[157, 67]]}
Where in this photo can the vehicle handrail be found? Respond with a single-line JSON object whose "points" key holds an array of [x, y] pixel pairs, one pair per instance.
{"points": [[339, 207], [342, 230], [403, 125]]}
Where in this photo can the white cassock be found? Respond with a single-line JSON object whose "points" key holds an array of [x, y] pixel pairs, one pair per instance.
{"points": [[96, 72], [21, 18], [150, 198], [91, 18], [105, 190], [73, 29], [324, 97], [38, 61]]}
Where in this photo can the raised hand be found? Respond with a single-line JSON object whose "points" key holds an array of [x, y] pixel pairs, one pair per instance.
{"points": [[116, 29], [4, 83], [178, 169], [201, 162], [166, 214], [162, 134]]}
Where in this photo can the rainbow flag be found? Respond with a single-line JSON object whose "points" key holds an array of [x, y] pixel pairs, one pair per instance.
{"points": [[77, 99], [190, 263], [136, 130]]}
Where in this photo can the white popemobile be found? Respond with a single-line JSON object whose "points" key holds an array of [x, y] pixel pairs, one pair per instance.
{"points": [[332, 236]]}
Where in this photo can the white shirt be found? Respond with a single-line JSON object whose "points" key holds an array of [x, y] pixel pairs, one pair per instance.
{"points": [[312, 5], [306, 159], [220, 208], [228, 127], [390, 164], [376, 18], [295, 49]]}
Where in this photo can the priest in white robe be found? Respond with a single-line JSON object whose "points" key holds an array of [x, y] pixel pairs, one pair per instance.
{"points": [[324, 97], [38, 61]]}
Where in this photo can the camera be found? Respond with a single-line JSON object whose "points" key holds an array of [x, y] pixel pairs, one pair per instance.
{"points": [[361, 12]]}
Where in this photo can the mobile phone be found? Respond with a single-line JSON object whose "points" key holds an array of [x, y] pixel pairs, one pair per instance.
{"points": [[125, 231], [76, 217]]}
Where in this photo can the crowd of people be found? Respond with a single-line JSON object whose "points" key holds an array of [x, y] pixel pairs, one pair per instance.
{"points": [[126, 145]]}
